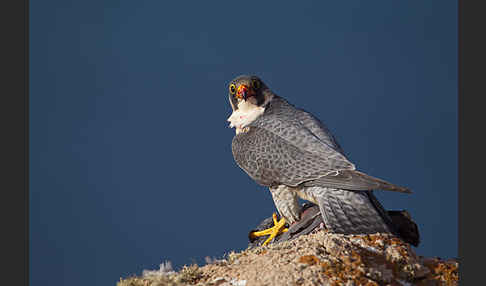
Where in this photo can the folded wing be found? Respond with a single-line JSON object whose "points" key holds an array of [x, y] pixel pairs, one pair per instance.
{"points": [[274, 158]]}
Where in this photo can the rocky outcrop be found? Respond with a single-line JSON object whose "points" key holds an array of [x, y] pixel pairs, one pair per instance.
{"points": [[320, 258]]}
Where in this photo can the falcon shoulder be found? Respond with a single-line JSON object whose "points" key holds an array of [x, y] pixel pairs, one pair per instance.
{"points": [[318, 128]]}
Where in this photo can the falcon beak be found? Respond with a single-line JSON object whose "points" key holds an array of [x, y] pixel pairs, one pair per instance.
{"points": [[244, 92]]}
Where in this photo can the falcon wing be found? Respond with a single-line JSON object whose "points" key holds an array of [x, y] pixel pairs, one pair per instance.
{"points": [[284, 124], [270, 159], [354, 180]]}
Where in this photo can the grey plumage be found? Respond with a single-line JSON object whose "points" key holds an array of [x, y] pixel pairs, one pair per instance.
{"points": [[289, 150], [270, 160], [351, 211], [280, 149]]}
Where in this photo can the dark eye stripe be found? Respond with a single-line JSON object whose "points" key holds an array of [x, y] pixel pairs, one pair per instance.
{"points": [[234, 102]]}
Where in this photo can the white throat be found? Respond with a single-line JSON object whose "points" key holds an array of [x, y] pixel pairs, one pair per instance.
{"points": [[246, 114]]}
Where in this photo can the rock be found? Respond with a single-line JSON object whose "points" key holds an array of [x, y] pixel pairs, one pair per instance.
{"points": [[320, 258]]}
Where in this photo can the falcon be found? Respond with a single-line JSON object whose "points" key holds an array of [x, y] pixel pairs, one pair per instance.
{"points": [[294, 154]]}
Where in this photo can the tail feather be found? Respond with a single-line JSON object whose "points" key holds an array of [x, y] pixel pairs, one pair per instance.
{"points": [[350, 212]]}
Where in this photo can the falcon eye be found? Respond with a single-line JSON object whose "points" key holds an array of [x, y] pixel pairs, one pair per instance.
{"points": [[255, 84], [232, 88]]}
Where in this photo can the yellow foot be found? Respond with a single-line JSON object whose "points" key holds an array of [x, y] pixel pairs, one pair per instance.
{"points": [[273, 231]]}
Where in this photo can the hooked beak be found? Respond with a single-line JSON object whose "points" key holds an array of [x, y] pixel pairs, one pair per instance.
{"points": [[244, 92]]}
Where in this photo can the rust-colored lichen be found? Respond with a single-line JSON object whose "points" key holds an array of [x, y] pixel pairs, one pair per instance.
{"points": [[445, 271], [309, 259]]}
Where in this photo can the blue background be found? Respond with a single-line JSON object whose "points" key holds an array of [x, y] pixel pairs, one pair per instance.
{"points": [[130, 154]]}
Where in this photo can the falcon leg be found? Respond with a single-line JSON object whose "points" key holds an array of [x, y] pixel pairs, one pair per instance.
{"points": [[279, 227], [287, 202]]}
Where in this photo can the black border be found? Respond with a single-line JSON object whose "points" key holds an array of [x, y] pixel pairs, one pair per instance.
{"points": [[14, 147], [471, 51]]}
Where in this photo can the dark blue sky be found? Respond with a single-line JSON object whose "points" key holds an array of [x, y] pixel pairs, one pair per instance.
{"points": [[130, 154]]}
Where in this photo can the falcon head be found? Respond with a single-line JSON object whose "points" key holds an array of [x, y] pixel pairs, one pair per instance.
{"points": [[248, 96]]}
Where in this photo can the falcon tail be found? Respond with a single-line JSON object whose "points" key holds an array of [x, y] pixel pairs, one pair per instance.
{"points": [[358, 212], [351, 212]]}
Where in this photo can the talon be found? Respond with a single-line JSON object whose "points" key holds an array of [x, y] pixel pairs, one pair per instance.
{"points": [[273, 231]]}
